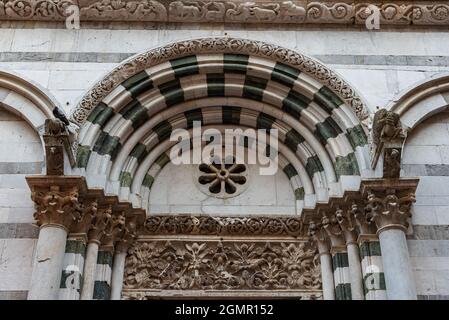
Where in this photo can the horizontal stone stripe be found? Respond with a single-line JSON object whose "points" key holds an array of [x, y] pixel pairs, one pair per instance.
{"points": [[340, 260], [421, 296], [21, 167], [18, 231], [117, 57], [343, 291], [369, 249], [104, 257], [373, 282], [341, 275], [185, 66], [429, 232], [346, 166], [417, 170], [14, 295], [102, 290]]}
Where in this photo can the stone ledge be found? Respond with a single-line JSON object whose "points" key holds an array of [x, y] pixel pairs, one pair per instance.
{"points": [[399, 13]]}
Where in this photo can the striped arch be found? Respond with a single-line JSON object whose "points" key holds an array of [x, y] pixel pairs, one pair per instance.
{"points": [[126, 120]]}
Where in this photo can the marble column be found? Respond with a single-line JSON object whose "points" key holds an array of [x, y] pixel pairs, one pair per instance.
{"points": [[327, 272], [347, 225], [388, 205], [55, 214], [95, 234], [118, 269]]}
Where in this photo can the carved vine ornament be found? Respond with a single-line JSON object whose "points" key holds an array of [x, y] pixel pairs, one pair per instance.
{"points": [[336, 12]]}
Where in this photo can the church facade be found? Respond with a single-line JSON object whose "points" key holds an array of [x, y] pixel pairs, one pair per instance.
{"points": [[100, 100]]}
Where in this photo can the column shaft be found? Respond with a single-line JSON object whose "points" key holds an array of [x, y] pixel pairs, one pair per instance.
{"points": [[327, 276], [355, 271], [341, 276], [118, 270], [48, 263], [71, 277], [399, 278], [87, 291]]}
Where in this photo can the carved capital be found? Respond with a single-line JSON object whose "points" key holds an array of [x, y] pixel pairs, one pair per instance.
{"points": [[319, 235], [128, 235], [389, 202], [334, 232], [99, 223], [347, 224], [113, 230], [88, 210], [366, 228], [56, 207]]}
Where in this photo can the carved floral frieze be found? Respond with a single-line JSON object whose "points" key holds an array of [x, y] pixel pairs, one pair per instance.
{"points": [[336, 12], [222, 265]]}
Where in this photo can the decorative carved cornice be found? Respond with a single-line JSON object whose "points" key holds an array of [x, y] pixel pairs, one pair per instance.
{"points": [[218, 226], [211, 46], [231, 11], [167, 266]]}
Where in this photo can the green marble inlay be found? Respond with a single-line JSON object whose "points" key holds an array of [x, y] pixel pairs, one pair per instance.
{"points": [[290, 171], [104, 257], [313, 166], [284, 74], [139, 152], [101, 114], [265, 121], [162, 160], [136, 113], [346, 166], [299, 193], [356, 136], [326, 130], [292, 139], [185, 66], [75, 246], [148, 181], [138, 84], [231, 115], [343, 291], [193, 115], [254, 88], [172, 92], [235, 63], [327, 99], [340, 260], [82, 156], [294, 103], [102, 290], [125, 179], [215, 85], [163, 130]]}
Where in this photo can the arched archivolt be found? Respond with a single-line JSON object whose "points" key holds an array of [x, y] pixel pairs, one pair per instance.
{"points": [[422, 100], [126, 119], [26, 99]]}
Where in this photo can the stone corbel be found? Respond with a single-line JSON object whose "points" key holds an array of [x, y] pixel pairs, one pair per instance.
{"points": [[388, 138], [365, 227], [57, 139]]}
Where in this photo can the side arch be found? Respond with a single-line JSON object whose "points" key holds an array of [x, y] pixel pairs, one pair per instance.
{"points": [[129, 115]]}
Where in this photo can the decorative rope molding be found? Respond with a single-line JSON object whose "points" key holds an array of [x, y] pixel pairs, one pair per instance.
{"points": [[305, 12], [220, 45]]}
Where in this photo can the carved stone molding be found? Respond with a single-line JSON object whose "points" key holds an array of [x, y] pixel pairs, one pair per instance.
{"points": [[231, 11], [221, 266], [217, 45], [215, 225]]}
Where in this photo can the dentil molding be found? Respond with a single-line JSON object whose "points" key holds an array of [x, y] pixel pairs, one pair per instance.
{"points": [[235, 11]]}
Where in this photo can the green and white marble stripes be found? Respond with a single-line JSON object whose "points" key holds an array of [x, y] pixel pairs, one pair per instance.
{"points": [[142, 112], [72, 273], [342, 280], [103, 274], [372, 271]]}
